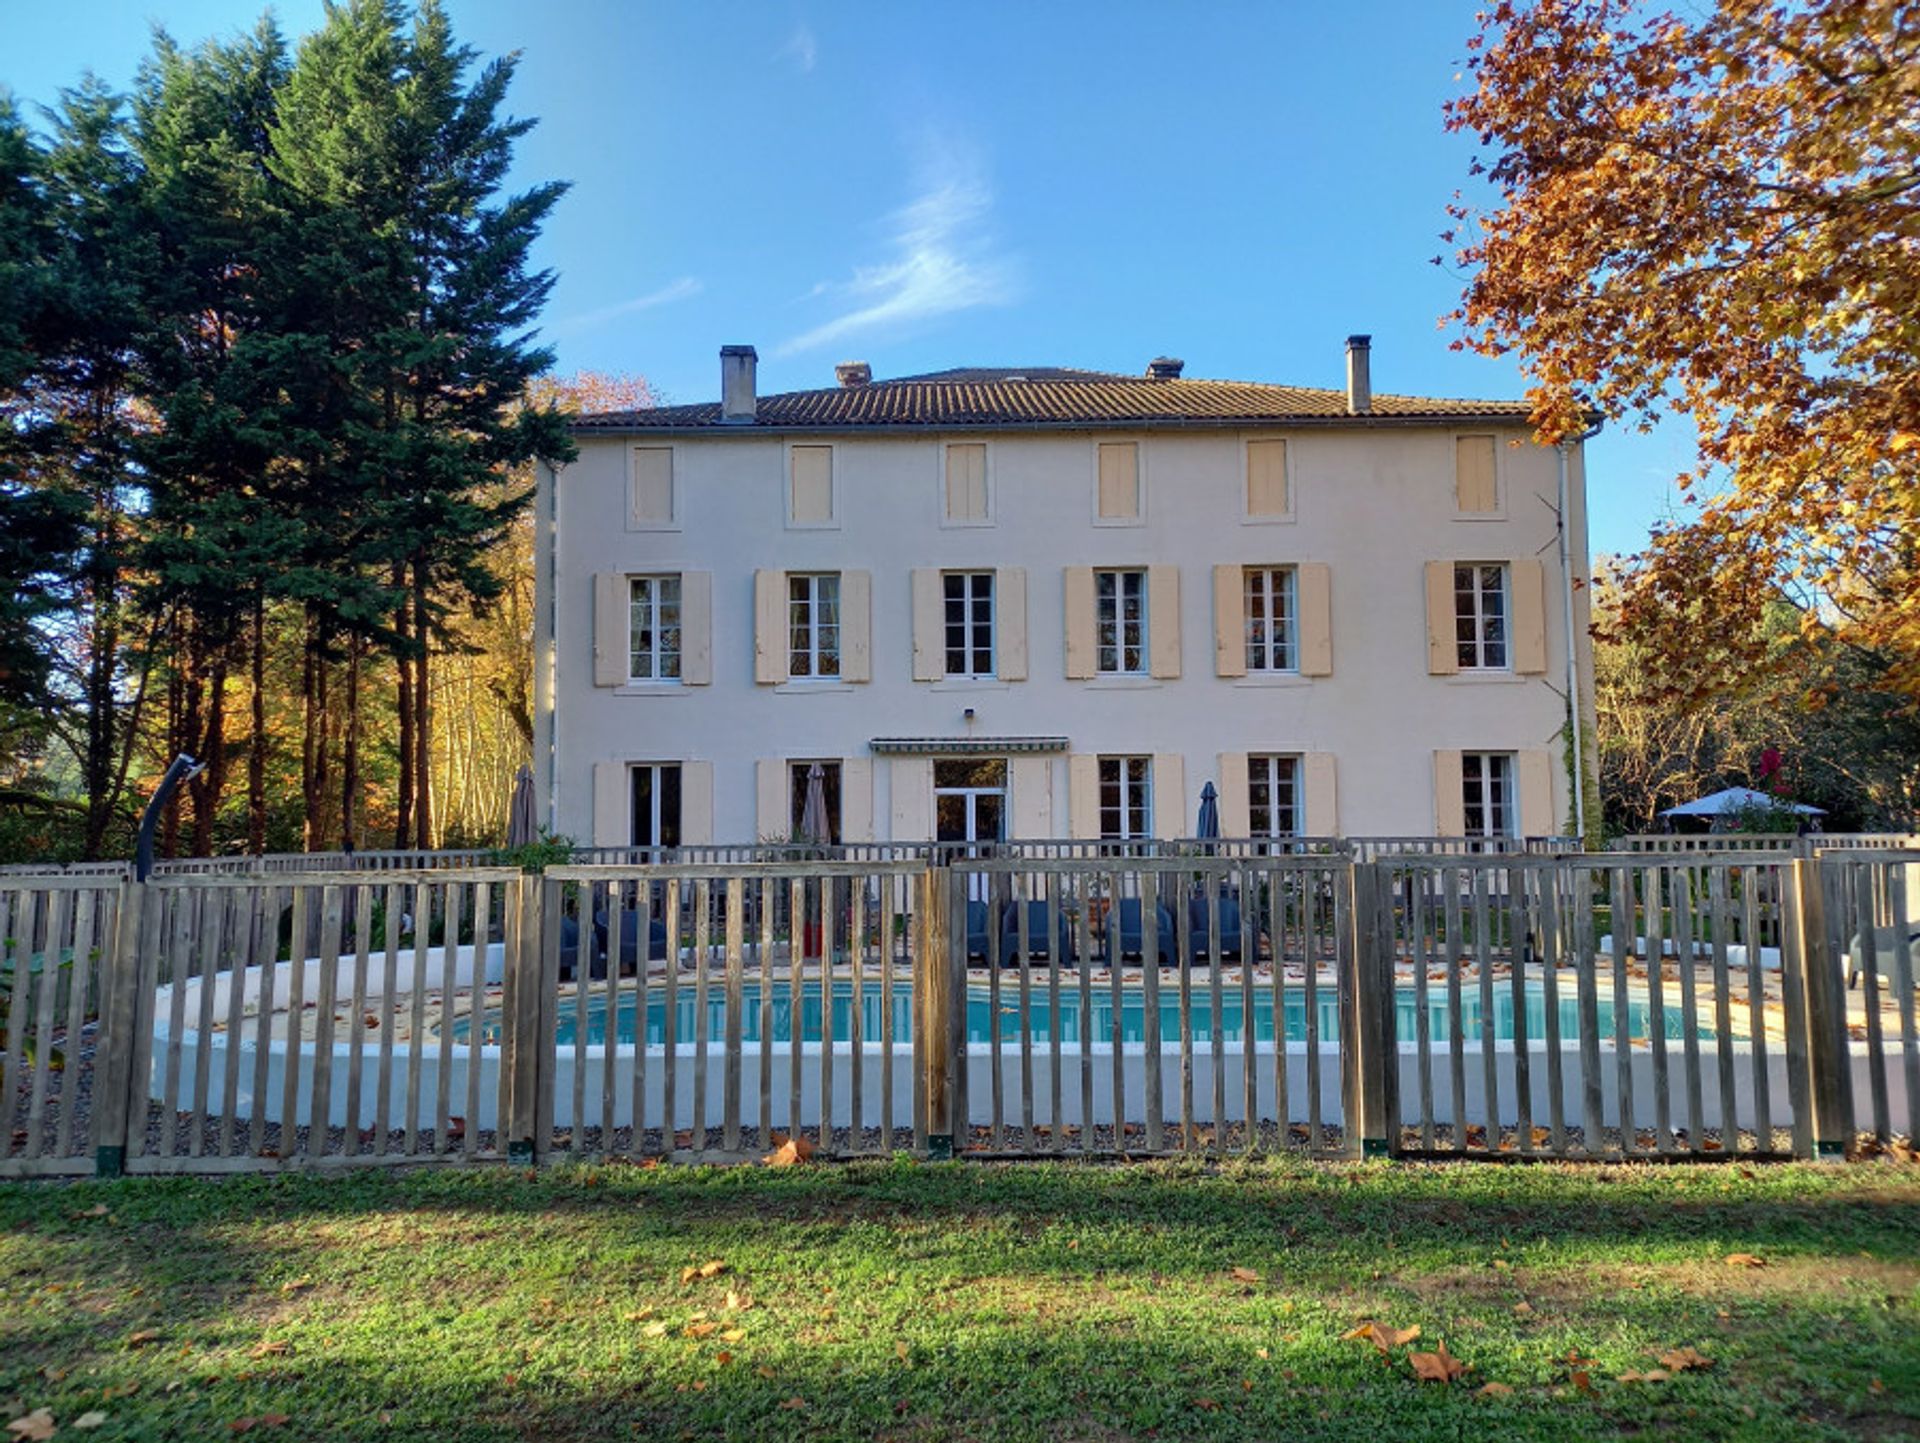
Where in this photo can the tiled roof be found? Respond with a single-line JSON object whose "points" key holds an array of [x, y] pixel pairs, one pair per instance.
{"points": [[1038, 397]]}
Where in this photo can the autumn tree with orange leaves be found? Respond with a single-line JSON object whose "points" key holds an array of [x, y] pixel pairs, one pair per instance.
{"points": [[1716, 215]]}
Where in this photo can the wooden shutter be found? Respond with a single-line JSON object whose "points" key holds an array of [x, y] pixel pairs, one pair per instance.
{"points": [[1083, 796], [1322, 812], [1236, 796], [1031, 780], [696, 629], [769, 627], [1229, 621], [911, 780], [1529, 595], [1537, 815], [1173, 816], [1119, 480], [967, 481], [612, 629], [1081, 651], [772, 801], [856, 626], [1163, 621], [929, 625], [1010, 622], [1449, 795], [1266, 478], [612, 805], [1443, 655], [856, 799], [1313, 594], [696, 803], [650, 497], [1474, 484], [810, 497]]}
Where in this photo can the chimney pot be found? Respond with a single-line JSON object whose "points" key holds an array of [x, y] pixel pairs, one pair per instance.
{"points": [[737, 396], [853, 373], [1359, 375], [1165, 368]]}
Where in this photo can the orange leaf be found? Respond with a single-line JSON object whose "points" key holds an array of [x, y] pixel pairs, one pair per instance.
{"points": [[1245, 1275], [1439, 1366], [1683, 1359], [791, 1152], [266, 1348], [1745, 1260], [701, 1330], [795, 1403], [1493, 1390], [1380, 1335], [34, 1427]]}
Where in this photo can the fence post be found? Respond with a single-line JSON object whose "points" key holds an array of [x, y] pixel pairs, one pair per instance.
{"points": [[933, 989], [1368, 1050], [524, 1035], [114, 1047], [1828, 1054]]}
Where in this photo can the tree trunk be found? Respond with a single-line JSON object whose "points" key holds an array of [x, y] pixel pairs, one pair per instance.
{"points": [[403, 705], [423, 783], [350, 753], [257, 751], [211, 783]]}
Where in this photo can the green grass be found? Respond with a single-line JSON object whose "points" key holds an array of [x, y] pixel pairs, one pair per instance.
{"points": [[1033, 1302]]}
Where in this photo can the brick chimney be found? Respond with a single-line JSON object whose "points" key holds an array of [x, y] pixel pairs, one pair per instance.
{"points": [[737, 398], [1359, 375], [1165, 368], [853, 373]]}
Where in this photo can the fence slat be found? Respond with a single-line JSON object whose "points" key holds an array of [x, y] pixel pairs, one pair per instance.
{"points": [[1592, 1114], [83, 966], [1653, 905], [1683, 959], [1150, 995], [1719, 926], [1757, 1007]]}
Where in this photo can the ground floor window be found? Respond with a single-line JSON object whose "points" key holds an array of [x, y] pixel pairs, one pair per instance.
{"points": [[1126, 798], [970, 800], [656, 804], [1273, 796], [1486, 780], [798, 774]]}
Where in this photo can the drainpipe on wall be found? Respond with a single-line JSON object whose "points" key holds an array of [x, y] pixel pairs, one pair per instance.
{"points": [[546, 724], [1573, 655]]}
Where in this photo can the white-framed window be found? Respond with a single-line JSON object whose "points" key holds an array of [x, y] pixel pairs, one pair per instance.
{"points": [[810, 486], [813, 625], [1120, 622], [1272, 616], [1126, 798], [1480, 611], [656, 804], [653, 628], [1118, 492], [798, 773], [652, 504], [1486, 784], [968, 598], [1273, 796], [966, 497]]}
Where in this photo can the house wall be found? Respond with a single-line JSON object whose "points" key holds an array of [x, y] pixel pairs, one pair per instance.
{"points": [[1374, 504]]}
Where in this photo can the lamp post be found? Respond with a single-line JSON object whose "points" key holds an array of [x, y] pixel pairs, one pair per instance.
{"points": [[183, 770]]}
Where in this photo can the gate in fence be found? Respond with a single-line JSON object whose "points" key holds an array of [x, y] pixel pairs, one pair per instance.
{"points": [[1080, 1000]]}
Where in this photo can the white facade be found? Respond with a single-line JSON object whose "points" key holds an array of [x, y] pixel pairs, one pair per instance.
{"points": [[1379, 727]]}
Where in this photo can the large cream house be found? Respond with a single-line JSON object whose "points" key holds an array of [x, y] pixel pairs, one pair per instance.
{"points": [[1005, 602]]}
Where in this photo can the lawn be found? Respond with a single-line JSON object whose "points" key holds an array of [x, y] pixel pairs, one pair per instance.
{"points": [[900, 1301]]}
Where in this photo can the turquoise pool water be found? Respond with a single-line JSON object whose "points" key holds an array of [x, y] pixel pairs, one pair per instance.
{"points": [[1133, 1015]]}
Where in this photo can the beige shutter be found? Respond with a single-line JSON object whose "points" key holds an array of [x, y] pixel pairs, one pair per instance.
{"points": [[856, 626], [1229, 621], [696, 627], [650, 502], [967, 481], [1449, 795], [1031, 779], [1529, 589], [929, 625], [1163, 621], [856, 799], [772, 801], [1172, 815], [1474, 486], [1443, 656], [1322, 817], [1235, 796], [612, 805], [612, 629], [1537, 816], [1266, 478], [1119, 480], [811, 494], [696, 803], [769, 627], [911, 780], [1083, 796], [1081, 651], [1313, 593], [1010, 621]]}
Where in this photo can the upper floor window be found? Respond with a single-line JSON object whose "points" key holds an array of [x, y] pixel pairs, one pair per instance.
{"points": [[1273, 796], [810, 486], [1120, 622], [656, 805], [654, 628], [1126, 798], [1480, 616], [965, 492], [1268, 498], [1486, 780], [1272, 619], [969, 622], [651, 503], [1476, 488], [813, 625], [1119, 481]]}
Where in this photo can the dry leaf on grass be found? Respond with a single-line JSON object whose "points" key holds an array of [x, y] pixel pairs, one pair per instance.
{"points": [[734, 1335], [737, 1302], [902, 1351], [791, 1152], [98, 1210], [264, 1420], [1652, 1375], [701, 1330], [1245, 1275], [1493, 1390], [143, 1337], [34, 1427], [1439, 1366], [654, 1330], [268, 1348], [1380, 1335], [297, 1285], [710, 1269], [794, 1403], [1682, 1360], [1745, 1260], [89, 1421]]}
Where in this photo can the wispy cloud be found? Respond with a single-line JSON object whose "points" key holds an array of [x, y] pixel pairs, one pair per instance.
{"points": [[944, 260], [802, 48], [678, 290]]}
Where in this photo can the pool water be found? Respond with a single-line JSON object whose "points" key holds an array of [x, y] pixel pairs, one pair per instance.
{"points": [[1133, 1015]]}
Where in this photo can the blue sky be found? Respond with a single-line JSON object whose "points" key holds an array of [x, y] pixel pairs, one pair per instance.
{"points": [[923, 186]]}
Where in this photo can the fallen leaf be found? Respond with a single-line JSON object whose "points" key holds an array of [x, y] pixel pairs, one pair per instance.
{"points": [[266, 1348], [734, 1335], [36, 1426], [1745, 1260], [296, 1285], [1380, 1335], [1582, 1380], [902, 1351], [1683, 1359], [1492, 1390], [737, 1302], [1439, 1366], [143, 1337], [98, 1210], [701, 1330], [90, 1420], [1206, 1405], [654, 1330], [723, 1357], [1262, 1353], [639, 1317], [793, 1151], [764, 1371], [265, 1420], [1245, 1275], [1523, 1309], [1652, 1375], [795, 1403]]}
